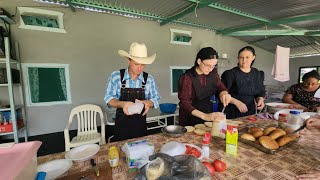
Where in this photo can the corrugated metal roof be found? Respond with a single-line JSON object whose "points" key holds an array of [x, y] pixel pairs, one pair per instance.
{"points": [[288, 23]]}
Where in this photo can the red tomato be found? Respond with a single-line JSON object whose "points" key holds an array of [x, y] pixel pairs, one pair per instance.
{"points": [[209, 167], [252, 119], [192, 151], [219, 165]]}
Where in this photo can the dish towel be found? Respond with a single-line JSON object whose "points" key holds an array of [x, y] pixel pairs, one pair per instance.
{"points": [[280, 69]]}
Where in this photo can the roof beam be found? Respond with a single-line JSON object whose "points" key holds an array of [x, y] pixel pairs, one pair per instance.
{"points": [[198, 5], [234, 11], [306, 17], [275, 33]]}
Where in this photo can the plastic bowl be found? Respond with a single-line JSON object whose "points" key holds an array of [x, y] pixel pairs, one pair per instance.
{"points": [[168, 107]]}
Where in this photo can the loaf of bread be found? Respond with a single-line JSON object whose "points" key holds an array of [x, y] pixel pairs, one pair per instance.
{"points": [[294, 136], [190, 128], [284, 140], [257, 133], [268, 142], [199, 132], [277, 133], [199, 126], [247, 137], [208, 124], [268, 130], [155, 170], [251, 129], [288, 130]]}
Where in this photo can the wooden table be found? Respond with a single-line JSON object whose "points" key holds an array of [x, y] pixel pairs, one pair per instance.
{"points": [[249, 164]]}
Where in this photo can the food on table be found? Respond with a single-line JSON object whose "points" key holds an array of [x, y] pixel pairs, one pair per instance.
{"points": [[268, 142], [284, 140], [155, 169], [190, 128], [277, 133], [192, 151], [257, 133], [248, 137], [219, 165], [207, 129], [199, 132], [208, 124], [268, 130], [209, 167], [199, 126], [251, 118], [294, 136], [251, 129], [288, 130]]}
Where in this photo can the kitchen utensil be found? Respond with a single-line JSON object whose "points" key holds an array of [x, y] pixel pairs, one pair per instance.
{"points": [[55, 168], [299, 129], [174, 130], [95, 167], [224, 108]]}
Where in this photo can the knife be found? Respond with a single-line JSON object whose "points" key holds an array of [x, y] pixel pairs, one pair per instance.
{"points": [[95, 167], [299, 129]]}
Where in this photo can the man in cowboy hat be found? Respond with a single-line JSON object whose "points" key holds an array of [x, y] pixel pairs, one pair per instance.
{"points": [[126, 86]]}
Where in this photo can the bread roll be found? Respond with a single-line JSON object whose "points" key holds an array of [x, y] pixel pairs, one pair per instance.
{"points": [[284, 140], [209, 124], [268, 130], [248, 137], [288, 130], [251, 129], [199, 126], [199, 132], [268, 142], [277, 133], [257, 133], [207, 129], [190, 128], [156, 170], [294, 136]]}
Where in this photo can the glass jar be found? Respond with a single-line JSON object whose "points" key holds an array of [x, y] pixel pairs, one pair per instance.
{"points": [[294, 120]]}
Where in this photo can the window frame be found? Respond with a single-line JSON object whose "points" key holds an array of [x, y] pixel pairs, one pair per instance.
{"points": [[300, 76], [41, 12], [29, 102]]}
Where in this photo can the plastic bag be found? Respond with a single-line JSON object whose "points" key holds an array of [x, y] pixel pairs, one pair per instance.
{"points": [[182, 167], [136, 108]]}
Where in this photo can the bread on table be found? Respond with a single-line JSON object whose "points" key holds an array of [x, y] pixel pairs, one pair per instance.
{"points": [[277, 133], [207, 129], [199, 126], [268, 130], [247, 136], [268, 142], [251, 129], [199, 132], [257, 133], [284, 140], [190, 128], [209, 124]]}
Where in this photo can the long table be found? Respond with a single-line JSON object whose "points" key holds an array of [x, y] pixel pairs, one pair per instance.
{"points": [[250, 163]]}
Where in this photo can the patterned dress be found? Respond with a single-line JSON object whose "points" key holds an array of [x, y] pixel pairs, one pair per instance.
{"points": [[303, 97]]}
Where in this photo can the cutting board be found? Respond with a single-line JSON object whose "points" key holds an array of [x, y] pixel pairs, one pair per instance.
{"points": [[104, 169]]}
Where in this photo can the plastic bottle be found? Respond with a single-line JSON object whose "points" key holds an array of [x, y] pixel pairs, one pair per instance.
{"points": [[205, 145], [113, 156], [219, 129], [283, 119], [294, 120]]}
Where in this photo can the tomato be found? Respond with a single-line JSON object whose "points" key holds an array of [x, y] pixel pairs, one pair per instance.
{"points": [[252, 118], [219, 165], [209, 167], [192, 151]]}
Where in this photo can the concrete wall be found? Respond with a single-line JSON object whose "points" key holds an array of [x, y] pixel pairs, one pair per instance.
{"points": [[90, 48]]}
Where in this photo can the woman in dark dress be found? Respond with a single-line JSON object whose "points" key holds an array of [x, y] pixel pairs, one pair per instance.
{"points": [[196, 86], [245, 84]]}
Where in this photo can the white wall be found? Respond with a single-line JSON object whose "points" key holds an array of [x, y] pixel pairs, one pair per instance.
{"points": [[90, 47]]}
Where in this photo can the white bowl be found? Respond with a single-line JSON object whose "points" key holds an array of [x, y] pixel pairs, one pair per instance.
{"points": [[287, 111], [55, 168], [173, 148], [82, 153]]}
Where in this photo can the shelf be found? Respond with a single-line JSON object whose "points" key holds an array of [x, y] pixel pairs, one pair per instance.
{"points": [[8, 109], [14, 84], [10, 133], [3, 60]]}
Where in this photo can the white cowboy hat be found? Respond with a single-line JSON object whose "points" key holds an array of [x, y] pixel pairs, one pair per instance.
{"points": [[138, 52]]}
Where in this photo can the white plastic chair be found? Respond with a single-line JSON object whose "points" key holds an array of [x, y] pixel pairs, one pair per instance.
{"points": [[87, 126]]}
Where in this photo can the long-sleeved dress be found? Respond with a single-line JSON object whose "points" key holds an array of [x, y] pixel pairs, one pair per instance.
{"points": [[245, 87]]}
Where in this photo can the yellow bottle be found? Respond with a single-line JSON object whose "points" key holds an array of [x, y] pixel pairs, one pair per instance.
{"points": [[113, 156]]}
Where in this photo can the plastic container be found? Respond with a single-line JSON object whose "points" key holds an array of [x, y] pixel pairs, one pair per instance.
{"points": [[232, 139], [294, 120], [219, 128], [205, 147], [283, 119], [113, 156], [168, 108]]}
